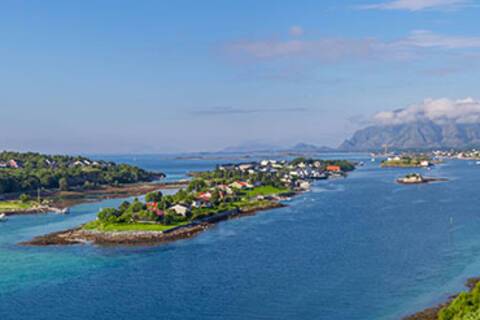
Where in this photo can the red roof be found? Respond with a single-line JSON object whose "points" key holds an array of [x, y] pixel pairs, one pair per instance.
{"points": [[152, 205], [334, 168], [205, 196]]}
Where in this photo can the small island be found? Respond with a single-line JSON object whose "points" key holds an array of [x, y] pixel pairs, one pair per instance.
{"points": [[36, 183], [416, 178], [407, 161], [227, 192]]}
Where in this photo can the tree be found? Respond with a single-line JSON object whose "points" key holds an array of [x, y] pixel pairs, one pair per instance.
{"points": [[197, 185], [215, 199], [154, 196], [88, 185], [63, 184], [136, 206], [109, 215], [24, 198]]}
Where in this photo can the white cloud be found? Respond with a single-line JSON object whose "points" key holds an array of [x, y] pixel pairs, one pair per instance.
{"points": [[335, 49], [296, 31], [428, 39], [416, 5], [437, 110]]}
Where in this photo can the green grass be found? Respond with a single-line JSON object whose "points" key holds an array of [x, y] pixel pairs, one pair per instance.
{"points": [[265, 191], [15, 205], [464, 307], [111, 227]]}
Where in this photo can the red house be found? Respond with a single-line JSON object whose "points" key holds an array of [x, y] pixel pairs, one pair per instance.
{"points": [[14, 164], [204, 196], [153, 207], [332, 168]]}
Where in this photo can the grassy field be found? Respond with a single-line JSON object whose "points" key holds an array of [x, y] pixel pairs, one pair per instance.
{"points": [[6, 206], [265, 191], [403, 163], [96, 225]]}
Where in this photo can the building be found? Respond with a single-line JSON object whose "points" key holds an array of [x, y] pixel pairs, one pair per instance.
{"points": [[425, 163], [303, 185], [225, 188], [204, 196], [241, 185], [14, 164], [333, 168], [180, 210], [153, 207]]}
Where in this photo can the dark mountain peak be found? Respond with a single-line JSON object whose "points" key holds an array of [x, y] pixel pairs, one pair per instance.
{"points": [[424, 134]]}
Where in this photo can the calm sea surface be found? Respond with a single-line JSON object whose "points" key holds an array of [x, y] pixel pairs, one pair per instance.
{"points": [[359, 248]]}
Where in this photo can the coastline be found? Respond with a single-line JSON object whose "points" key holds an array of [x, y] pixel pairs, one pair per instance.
{"points": [[431, 313], [142, 238], [240, 193], [425, 180], [61, 200]]}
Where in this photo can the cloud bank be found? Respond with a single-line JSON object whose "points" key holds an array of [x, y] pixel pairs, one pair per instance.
{"points": [[416, 5], [437, 110], [234, 110], [332, 50]]}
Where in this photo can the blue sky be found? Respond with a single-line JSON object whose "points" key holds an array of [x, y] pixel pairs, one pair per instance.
{"points": [[166, 76]]}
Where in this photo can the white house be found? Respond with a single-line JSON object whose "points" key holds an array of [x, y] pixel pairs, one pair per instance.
{"points": [[424, 163], [180, 210]]}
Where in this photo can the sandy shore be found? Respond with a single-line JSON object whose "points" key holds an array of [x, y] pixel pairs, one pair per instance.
{"points": [[140, 238]]}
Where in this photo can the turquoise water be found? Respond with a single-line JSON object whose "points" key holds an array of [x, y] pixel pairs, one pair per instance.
{"points": [[357, 248]]}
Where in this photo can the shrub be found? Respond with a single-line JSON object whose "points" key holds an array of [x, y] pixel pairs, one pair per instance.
{"points": [[24, 198]]}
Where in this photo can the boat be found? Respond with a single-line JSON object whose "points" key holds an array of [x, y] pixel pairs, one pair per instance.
{"points": [[59, 211], [64, 211], [3, 217]]}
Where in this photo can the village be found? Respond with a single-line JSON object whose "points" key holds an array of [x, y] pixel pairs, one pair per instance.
{"points": [[53, 164], [229, 188]]}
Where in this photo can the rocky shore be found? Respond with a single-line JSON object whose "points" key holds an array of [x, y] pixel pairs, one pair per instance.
{"points": [[36, 210], [61, 200], [140, 238], [419, 179], [432, 312]]}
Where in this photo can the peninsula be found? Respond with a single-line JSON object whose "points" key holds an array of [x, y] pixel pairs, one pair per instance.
{"points": [[229, 191], [35, 183]]}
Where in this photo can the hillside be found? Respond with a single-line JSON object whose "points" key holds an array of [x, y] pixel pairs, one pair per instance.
{"points": [[24, 172], [415, 135]]}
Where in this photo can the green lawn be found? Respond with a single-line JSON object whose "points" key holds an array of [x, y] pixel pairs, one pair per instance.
{"points": [[403, 163], [96, 225], [15, 205], [265, 191]]}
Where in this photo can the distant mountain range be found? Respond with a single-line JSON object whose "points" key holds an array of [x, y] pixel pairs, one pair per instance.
{"points": [[415, 135], [257, 147]]}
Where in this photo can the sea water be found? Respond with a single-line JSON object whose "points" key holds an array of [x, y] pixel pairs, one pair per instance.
{"points": [[360, 248]]}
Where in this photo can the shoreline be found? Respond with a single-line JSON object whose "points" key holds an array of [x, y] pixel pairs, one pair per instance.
{"points": [[425, 180], [61, 200], [431, 313], [78, 235]]}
